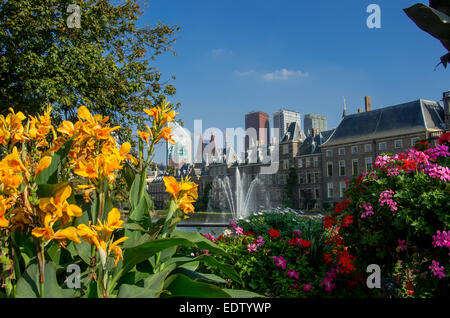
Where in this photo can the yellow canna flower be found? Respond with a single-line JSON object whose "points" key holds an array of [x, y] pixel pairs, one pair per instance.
{"points": [[166, 134], [66, 128], [184, 192], [11, 171], [144, 135], [4, 205], [117, 250], [43, 164], [112, 223], [87, 169], [69, 233]]}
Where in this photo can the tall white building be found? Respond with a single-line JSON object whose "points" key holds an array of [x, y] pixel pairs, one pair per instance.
{"points": [[314, 121], [283, 118]]}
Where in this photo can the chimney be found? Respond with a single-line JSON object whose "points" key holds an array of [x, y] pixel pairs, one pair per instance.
{"points": [[446, 101], [368, 103], [360, 110]]}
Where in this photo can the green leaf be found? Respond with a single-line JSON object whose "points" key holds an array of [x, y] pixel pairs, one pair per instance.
{"points": [[200, 241], [49, 190], [226, 269], [180, 285], [209, 278], [139, 253], [28, 284], [49, 175], [84, 251], [238, 293], [131, 291]]}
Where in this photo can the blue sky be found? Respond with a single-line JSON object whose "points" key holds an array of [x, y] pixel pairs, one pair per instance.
{"points": [[240, 56]]}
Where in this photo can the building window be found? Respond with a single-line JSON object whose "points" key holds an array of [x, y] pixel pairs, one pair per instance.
{"points": [[286, 164], [329, 169], [308, 162], [301, 178], [308, 178], [341, 151], [382, 146], [300, 163], [398, 144], [368, 162], [355, 167], [317, 194], [354, 149], [342, 187], [329, 153], [367, 147], [285, 149], [342, 167], [316, 177], [414, 141], [330, 190], [316, 162]]}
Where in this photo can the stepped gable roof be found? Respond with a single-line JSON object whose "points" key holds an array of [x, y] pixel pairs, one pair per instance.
{"points": [[311, 144], [411, 117], [293, 133]]}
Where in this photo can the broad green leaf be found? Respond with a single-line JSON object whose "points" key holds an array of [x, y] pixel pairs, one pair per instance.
{"points": [[226, 269], [131, 291], [238, 293], [49, 190], [180, 285], [209, 278], [139, 253], [84, 251], [49, 175], [28, 284], [200, 241]]}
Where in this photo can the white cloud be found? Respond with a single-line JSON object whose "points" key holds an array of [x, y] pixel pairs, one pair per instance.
{"points": [[284, 74]]}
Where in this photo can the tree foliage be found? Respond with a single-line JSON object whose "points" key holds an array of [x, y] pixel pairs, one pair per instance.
{"points": [[435, 20], [104, 64]]}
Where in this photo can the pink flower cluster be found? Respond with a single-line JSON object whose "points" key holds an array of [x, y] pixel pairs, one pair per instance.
{"points": [[415, 160], [401, 245], [259, 241], [441, 239], [210, 237], [280, 261], [437, 270], [251, 248], [328, 281], [438, 151], [386, 198], [368, 210], [437, 172]]}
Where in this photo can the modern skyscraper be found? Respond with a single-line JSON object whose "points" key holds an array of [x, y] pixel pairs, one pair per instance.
{"points": [[283, 118], [261, 123], [314, 121]]}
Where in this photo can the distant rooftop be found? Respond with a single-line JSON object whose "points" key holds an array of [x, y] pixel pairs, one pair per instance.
{"points": [[411, 117]]}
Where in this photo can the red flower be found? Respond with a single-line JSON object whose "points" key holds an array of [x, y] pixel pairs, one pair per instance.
{"points": [[347, 221], [327, 258], [295, 242], [329, 221], [408, 165], [249, 234], [341, 206], [444, 139], [410, 292], [274, 233], [305, 243]]}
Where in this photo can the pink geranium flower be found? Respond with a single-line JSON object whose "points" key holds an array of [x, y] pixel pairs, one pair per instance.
{"points": [[280, 262], [307, 287], [292, 274]]}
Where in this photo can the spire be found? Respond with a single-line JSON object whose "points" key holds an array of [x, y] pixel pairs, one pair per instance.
{"points": [[344, 113]]}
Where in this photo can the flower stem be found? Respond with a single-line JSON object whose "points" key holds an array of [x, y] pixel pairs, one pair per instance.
{"points": [[41, 263]]}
